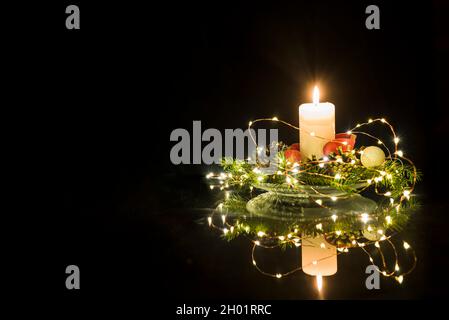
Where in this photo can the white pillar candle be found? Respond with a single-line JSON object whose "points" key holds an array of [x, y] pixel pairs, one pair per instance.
{"points": [[316, 126]]}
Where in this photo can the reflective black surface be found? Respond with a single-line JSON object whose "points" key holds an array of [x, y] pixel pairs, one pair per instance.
{"points": [[159, 240]]}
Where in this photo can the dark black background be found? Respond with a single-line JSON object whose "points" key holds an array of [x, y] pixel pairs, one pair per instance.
{"points": [[105, 99]]}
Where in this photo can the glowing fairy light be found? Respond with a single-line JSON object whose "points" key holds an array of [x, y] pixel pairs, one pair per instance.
{"points": [[282, 238], [257, 243], [407, 194], [209, 221], [338, 232], [250, 123], [376, 244], [383, 120], [278, 275], [400, 279], [211, 187], [322, 246], [400, 153], [225, 230], [387, 194], [337, 176], [370, 120], [223, 218], [334, 217], [388, 219], [275, 119], [364, 217], [406, 246], [333, 198], [319, 226], [396, 140], [260, 234], [321, 165], [319, 202], [396, 267]]}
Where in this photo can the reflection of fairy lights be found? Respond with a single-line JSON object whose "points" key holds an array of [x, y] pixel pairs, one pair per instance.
{"points": [[268, 241]]}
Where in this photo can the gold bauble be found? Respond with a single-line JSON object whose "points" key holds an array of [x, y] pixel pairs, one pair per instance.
{"points": [[372, 157]]}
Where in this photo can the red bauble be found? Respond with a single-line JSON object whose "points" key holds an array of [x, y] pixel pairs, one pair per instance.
{"points": [[343, 140], [346, 137], [292, 155], [330, 147], [294, 146]]}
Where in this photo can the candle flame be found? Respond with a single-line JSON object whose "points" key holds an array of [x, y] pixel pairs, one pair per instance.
{"points": [[316, 95], [319, 282]]}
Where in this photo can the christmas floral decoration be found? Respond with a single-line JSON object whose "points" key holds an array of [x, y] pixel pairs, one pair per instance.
{"points": [[300, 186]]}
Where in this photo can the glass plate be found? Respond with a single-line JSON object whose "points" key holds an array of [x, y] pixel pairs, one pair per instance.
{"points": [[306, 191], [269, 204]]}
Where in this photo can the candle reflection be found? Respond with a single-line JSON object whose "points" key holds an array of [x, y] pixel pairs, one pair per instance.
{"points": [[319, 259], [319, 282]]}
